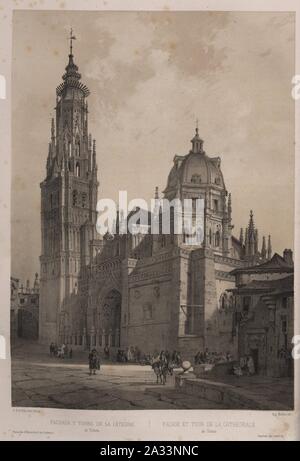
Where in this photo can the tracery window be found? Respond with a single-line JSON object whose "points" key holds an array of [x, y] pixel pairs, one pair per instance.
{"points": [[75, 196]]}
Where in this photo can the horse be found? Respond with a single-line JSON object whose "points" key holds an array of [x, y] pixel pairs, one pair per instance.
{"points": [[160, 368]]}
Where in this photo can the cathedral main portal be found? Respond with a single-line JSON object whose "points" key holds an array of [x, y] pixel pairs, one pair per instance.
{"points": [[110, 319]]}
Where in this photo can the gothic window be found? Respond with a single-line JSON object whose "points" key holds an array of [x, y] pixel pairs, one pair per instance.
{"points": [[217, 239], [70, 149], [83, 200], [51, 201], [223, 303], [78, 148], [77, 170], [194, 204], [75, 196], [210, 237], [216, 205]]}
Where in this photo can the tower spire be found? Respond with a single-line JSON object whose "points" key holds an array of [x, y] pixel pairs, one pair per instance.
{"points": [[269, 253], [241, 236], [263, 248], [71, 38], [94, 163], [229, 207], [52, 129]]}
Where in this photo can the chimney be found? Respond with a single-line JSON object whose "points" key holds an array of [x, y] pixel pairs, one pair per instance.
{"points": [[288, 257]]}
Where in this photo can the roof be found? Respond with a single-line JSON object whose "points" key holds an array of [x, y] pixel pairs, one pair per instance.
{"points": [[277, 286], [276, 264]]}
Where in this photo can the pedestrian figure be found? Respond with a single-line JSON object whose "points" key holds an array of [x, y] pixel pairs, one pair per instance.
{"points": [[106, 352], [250, 366], [62, 351], [52, 349], [93, 361]]}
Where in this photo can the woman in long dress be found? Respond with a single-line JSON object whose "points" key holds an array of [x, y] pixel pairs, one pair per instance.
{"points": [[250, 365], [93, 361]]}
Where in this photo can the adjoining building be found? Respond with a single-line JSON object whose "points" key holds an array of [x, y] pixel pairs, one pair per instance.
{"points": [[24, 318], [14, 306], [264, 314]]}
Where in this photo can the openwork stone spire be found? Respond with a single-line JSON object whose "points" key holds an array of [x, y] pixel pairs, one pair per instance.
{"points": [[71, 78]]}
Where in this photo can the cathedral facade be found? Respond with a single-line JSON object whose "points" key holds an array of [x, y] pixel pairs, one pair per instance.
{"points": [[150, 291]]}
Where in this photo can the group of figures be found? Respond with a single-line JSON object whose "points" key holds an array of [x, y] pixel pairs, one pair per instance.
{"points": [[162, 363], [212, 357], [245, 367], [61, 352], [135, 355], [132, 354]]}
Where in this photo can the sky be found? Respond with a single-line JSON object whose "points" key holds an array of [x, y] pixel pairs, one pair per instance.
{"points": [[151, 75]]}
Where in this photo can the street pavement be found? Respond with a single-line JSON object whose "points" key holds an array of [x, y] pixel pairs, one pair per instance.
{"points": [[39, 380]]}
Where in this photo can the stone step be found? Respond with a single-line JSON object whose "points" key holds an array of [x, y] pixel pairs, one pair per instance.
{"points": [[225, 394]]}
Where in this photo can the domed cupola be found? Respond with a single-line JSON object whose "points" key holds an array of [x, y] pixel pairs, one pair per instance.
{"points": [[198, 176], [194, 170]]}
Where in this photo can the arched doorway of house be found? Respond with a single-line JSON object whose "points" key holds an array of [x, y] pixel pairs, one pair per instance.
{"points": [[110, 319]]}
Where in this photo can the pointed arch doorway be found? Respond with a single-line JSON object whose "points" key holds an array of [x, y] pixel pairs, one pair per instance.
{"points": [[110, 319]]}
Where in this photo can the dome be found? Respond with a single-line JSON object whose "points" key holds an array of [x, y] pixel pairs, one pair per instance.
{"points": [[201, 169], [195, 168]]}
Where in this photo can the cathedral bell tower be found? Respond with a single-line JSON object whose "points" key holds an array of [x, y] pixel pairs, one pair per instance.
{"points": [[68, 201]]}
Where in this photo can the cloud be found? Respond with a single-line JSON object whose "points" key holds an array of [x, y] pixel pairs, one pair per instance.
{"points": [[151, 75]]}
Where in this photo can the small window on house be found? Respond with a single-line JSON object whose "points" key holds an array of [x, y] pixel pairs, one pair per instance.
{"points": [[284, 303], [246, 303], [148, 311], [283, 324], [32, 300], [22, 301]]}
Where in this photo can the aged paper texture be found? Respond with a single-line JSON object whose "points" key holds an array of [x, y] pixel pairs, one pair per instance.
{"points": [[149, 220]]}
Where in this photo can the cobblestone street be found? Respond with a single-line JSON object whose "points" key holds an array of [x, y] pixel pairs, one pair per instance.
{"points": [[41, 381]]}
